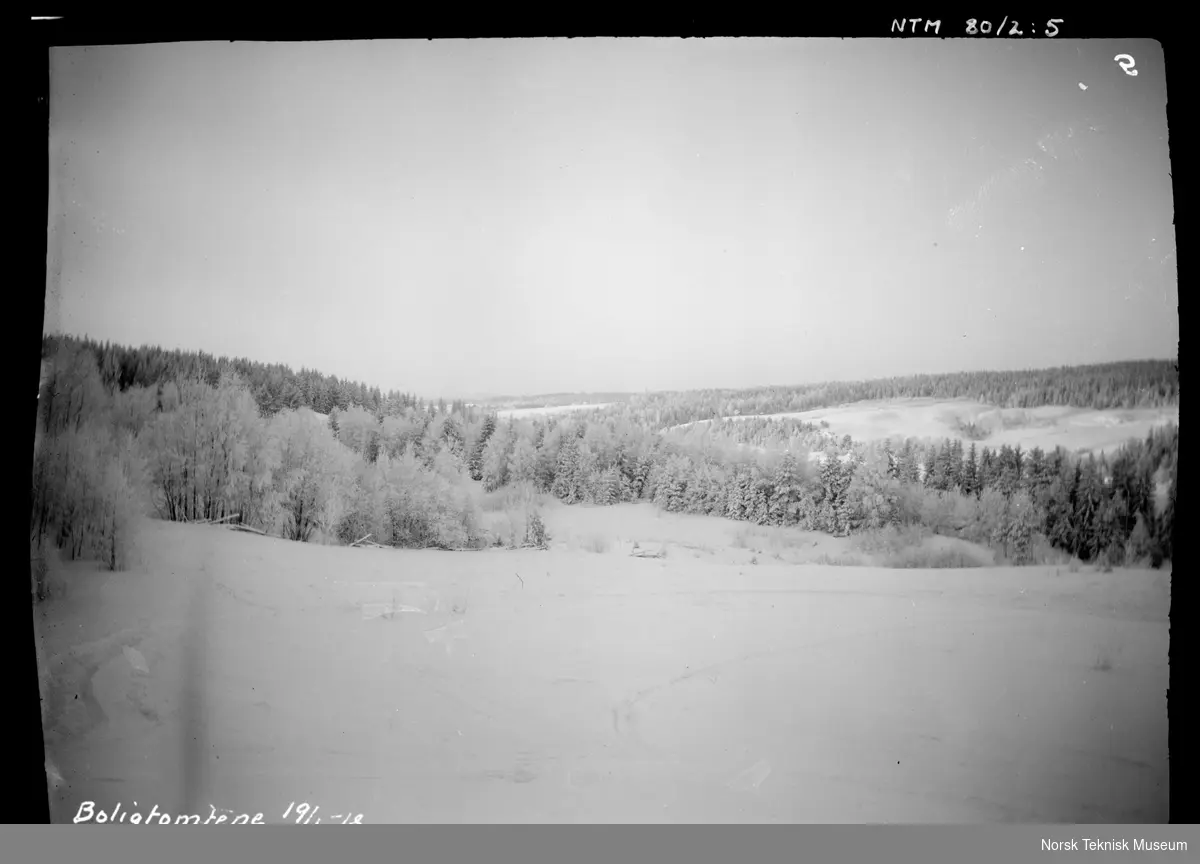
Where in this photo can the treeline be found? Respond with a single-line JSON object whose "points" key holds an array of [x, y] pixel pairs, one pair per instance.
{"points": [[1113, 509], [186, 437], [1134, 384], [555, 400], [275, 387]]}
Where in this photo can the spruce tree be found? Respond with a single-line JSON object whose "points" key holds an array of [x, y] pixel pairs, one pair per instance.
{"points": [[475, 460], [845, 510], [930, 467], [1140, 544], [1087, 502], [946, 463], [546, 462], [495, 461], [453, 436], [954, 464], [1166, 536], [697, 489], [566, 486], [1006, 480], [912, 471], [787, 490], [1035, 471], [970, 473], [607, 487], [1022, 525], [892, 460], [987, 472]]}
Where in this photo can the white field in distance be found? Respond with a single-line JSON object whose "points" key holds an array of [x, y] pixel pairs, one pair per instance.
{"points": [[521, 413], [1074, 429]]}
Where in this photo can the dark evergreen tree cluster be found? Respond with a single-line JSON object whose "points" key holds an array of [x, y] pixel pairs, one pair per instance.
{"points": [[1113, 508], [275, 387]]}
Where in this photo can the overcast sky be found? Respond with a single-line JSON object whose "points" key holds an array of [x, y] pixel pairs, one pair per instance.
{"points": [[461, 218]]}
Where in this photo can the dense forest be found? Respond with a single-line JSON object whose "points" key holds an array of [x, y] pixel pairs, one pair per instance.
{"points": [[1135, 384], [275, 387], [184, 436], [1114, 508]]}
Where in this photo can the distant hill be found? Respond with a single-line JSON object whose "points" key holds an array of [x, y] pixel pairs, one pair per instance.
{"points": [[1127, 384], [550, 400], [1123, 385]]}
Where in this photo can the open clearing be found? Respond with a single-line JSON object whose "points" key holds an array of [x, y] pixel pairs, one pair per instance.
{"points": [[581, 684], [549, 411], [1073, 429]]}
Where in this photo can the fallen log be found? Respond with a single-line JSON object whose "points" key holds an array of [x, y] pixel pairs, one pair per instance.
{"points": [[238, 526], [360, 539], [223, 518]]}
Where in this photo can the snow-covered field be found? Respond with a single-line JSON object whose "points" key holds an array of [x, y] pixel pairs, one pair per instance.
{"points": [[1074, 429], [521, 413], [582, 684]]}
